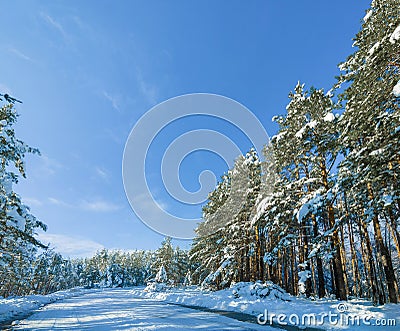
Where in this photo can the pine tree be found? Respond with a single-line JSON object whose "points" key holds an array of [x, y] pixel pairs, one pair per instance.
{"points": [[227, 244], [17, 224], [370, 124], [161, 276], [300, 210], [164, 256]]}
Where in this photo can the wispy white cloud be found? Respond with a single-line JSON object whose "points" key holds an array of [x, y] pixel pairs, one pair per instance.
{"points": [[32, 201], [70, 246], [95, 205], [19, 54], [149, 91], [100, 206], [49, 166], [54, 23], [114, 100], [101, 173], [59, 202], [115, 135]]}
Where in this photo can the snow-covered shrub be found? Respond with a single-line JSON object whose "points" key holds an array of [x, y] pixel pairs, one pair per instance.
{"points": [[209, 283], [161, 276], [155, 287], [267, 290], [188, 279], [304, 275], [159, 283]]}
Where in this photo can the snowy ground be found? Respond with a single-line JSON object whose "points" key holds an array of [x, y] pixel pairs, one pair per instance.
{"points": [[19, 306], [119, 309], [352, 315], [135, 309]]}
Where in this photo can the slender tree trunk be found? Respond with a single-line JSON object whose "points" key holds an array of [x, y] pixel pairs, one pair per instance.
{"points": [[341, 292], [262, 253], [338, 270], [279, 269], [286, 271], [241, 273], [293, 270], [320, 268], [247, 265], [343, 257], [340, 283], [386, 260], [259, 257], [333, 284], [393, 230], [305, 257], [384, 256], [313, 281], [354, 263], [377, 296]]}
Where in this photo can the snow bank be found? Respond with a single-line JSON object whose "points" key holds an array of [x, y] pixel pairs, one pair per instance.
{"points": [[240, 297], [257, 298], [13, 307]]}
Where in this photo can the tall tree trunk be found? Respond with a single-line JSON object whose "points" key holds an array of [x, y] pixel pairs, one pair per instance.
{"points": [[384, 256], [241, 269], [279, 269], [286, 257], [338, 269], [246, 265], [305, 261], [340, 283], [313, 280], [366, 268], [343, 257], [393, 230], [377, 296], [320, 268], [354, 263], [333, 284], [293, 270], [262, 253]]}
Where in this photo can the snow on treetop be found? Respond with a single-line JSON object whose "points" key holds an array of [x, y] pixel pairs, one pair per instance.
{"points": [[377, 152], [396, 89], [387, 199], [299, 134], [279, 136], [374, 48], [329, 117], [302, 212], [261, 208], [330, 93], [395, 35], [13, 214], [311, 125], [367, 16]]}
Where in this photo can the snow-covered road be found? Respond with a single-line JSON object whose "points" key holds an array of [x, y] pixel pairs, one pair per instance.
{"points": [[118, 309]]}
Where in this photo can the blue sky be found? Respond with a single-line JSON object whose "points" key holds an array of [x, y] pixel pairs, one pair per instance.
{"points": [[87, 71]]}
